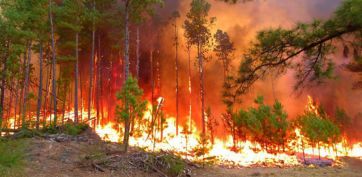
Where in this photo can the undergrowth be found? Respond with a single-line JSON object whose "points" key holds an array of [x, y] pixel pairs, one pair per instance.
{"points": [[12, 153]]}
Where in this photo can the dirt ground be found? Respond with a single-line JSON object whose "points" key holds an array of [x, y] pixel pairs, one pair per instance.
{"points": [[49, 158]]}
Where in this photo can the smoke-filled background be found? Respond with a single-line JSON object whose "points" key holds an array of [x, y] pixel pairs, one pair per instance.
{"points": [[242, 21]]}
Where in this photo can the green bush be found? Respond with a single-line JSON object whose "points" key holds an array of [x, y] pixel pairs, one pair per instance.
{"points": [[68, 128], [74, 129]]}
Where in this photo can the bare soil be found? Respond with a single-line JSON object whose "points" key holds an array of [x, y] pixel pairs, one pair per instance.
{"points": [[50, 158]]}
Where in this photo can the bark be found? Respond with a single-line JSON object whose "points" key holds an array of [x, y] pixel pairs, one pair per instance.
{"points": [[91, 67], [26, 85], [76, 79], [54, 62], [40, 90]]}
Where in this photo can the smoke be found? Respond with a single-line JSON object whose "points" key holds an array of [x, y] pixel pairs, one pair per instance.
{"points": [[242, 21]]}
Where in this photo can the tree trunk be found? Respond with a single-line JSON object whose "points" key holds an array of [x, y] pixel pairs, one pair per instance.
{"points": [[40, 90], [76, 79], [16, 103], [54, 62], [138, 53], [91, 66], [126, 42], [202, 87], [98, 79], [126, 134], [64, 101], [190, 88], [177, 79], [45, 109], [3, 82], [26, 85]]}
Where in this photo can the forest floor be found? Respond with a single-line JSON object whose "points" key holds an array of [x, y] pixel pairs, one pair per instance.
{"points": [[88, 156]]}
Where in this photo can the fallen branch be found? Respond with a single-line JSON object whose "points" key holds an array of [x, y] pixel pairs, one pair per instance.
{"points": [[97, 167]]}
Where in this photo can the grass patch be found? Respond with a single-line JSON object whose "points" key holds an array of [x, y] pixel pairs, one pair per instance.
{"points": [[12, 153]]}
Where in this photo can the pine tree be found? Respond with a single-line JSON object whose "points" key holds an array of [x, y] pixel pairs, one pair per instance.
{"points": [[132, 106], [197, 33]]}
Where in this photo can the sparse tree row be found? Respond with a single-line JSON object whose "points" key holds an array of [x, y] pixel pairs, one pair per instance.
{"points": [[76, 46]]}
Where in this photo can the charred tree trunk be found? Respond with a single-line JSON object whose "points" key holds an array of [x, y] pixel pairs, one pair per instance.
{"points": [[45, 106], [177, 78], [76, 79], [190, 87], [202, 87], [40, 90], [98, 79], [64, 101], [54, 62], [91, 66], [26, 85], [16, 103]]}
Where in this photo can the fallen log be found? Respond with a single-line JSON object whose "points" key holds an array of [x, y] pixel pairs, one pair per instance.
{"points": [[318, 162]]}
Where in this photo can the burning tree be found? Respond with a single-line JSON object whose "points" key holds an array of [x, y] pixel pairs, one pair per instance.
{"points": [[132, 106], [198, 33]]}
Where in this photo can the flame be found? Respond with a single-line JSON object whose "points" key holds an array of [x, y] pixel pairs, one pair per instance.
{"points": [[312, 106], [188, 141]]}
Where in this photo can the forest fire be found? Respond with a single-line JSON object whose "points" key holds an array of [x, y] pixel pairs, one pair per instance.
{"points": [[221, 153]]}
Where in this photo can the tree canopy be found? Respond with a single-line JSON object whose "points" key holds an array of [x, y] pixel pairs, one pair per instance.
{"points": [[305, 48]]}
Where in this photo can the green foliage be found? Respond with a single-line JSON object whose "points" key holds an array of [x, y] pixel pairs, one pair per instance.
{"points": [[12, 153], [175, 164], [318, 129], [197, 23], [132, 104], [138, 8], [68, 128], [74, 129], [264, 124], [276, 50]]}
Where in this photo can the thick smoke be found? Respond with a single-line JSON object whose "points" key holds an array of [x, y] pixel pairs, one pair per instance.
{"points": [[242, 21]]}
